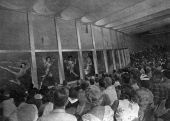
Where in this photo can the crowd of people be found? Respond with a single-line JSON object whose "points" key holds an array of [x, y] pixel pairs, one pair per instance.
{"points": [[139, 92]]}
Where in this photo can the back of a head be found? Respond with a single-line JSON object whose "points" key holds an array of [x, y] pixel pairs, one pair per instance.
{"points": [[60, 97], [94, 95], [92, 81], [102, 83], [128, 93], [157, 75], [27, 112], [84, 85], [73, 93], [125, 78], [108, 81]]}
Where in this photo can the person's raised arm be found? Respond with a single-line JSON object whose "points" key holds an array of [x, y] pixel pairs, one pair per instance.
{"points": [[14, 67]]}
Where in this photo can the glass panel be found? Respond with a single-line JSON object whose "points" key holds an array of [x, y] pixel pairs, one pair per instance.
{"points": [[116, 59], [110, 61], [107, 39], [47, 68], [71, 66], [114, 39], [44, 33], [98, 37], [119, 39], [15, 68], [86, 37], [14, 31], [88, 64], [121, 57], [68, 34], [128, 56], [123, 53], [100, 62]]}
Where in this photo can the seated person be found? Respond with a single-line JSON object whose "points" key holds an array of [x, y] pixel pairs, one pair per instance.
{"points": [[59, 114], [25, 112], [110, 90], [96, 111], [72, 101], [160, 92], [128, 108]]}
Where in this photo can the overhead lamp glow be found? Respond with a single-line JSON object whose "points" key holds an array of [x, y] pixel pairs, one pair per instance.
{"points": [[71, 13], [109, 25], [85, 20], [100, 23], [41, 8]]}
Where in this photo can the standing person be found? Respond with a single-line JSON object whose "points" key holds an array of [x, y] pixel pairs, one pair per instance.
{"points": [[110, 90], [59, 113], [128, 108], [97, 112], [159, 91]]}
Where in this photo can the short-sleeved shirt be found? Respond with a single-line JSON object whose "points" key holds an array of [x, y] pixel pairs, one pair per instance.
{"points": [[58, 115], [111, 92], [160, 93], [127, 111]]}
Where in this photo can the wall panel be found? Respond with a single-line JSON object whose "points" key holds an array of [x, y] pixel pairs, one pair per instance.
{"points": [[68, 34], [98, 38], [100, 62], [114, 39], [107, 39], [86, 36], [44, 33], [14, 31]]}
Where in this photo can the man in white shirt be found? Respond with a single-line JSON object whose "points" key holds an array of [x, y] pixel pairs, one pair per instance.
{"points": [[110, 90], [59, 114]]}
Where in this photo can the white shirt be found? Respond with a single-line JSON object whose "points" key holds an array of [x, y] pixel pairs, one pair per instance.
{"points": [[111, 92], [127, 111], [58, 115], [8, 107]]}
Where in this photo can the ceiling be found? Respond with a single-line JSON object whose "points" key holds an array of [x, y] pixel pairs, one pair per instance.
{"points": [[128, 16]]}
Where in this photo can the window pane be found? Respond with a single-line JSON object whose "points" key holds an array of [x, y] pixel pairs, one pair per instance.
{"points": [[110, 61], [71, 66], [68, 34], [121, 57], [100, 61], [44, 33], [98, 37], [47, 68], [88, 64], [106, 38], [116, 59], [14, 31], [86, 37]]}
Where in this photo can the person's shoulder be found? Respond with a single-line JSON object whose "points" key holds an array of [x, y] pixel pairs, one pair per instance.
{"points": [[55, 116], [70, 115]]}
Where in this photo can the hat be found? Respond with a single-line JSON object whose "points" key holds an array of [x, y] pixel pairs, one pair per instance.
{"points": [[117, 83], [38, 96], [144, 77]]}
